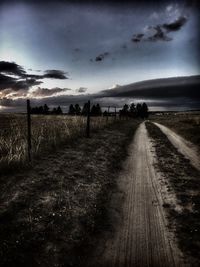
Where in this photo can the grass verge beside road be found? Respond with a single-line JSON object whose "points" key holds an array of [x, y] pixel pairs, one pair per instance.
{"points": [[185, 124]]}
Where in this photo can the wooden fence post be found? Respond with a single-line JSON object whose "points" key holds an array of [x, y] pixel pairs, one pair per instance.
{"points": [[88, 120], [29, 129], [115, 113]]}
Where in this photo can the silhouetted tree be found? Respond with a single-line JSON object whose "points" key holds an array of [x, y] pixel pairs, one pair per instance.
{"points": [[77, 109], [46, 109], [124, 111], [54, 111], [59, 111], [71, 110], [98, 110], [93, 110], [139, 110], [105, 113], [132, 110], [85, 109], [144, 111]]}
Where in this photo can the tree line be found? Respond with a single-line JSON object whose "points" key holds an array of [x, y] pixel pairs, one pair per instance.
{"points": [[139, 110], [76, 110], [45, 110]]}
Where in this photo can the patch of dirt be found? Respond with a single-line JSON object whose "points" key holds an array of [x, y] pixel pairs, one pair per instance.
{"points": [[139, 236], [183, 146], [183, 178]]}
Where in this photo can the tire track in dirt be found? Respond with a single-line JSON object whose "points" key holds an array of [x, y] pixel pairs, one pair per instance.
{"points": [[183, 146], [142, 238]]}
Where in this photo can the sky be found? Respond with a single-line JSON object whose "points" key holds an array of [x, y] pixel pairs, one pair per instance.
{"points": [[50, 49]]}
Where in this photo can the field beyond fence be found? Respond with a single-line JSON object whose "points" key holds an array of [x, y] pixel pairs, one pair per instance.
{"points": [[47, 133]]}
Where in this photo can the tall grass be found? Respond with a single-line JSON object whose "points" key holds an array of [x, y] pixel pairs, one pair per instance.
{"points": [[48, 132]]}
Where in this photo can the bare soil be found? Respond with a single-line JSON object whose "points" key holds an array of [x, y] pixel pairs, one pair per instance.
{"points": [[184, 181], [185, 147], [186, 124], [140, 235]]}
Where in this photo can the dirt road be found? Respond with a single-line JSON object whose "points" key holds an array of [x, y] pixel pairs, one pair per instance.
{"points": [[142, 238], [182, 145]]}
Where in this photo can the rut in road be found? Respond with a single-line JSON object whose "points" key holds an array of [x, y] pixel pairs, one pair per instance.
{"points": [[142, 238], [183, 146]]}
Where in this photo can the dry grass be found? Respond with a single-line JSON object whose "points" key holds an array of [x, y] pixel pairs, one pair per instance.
{"points": [[48, 132], [50, 213], [186, 124]]}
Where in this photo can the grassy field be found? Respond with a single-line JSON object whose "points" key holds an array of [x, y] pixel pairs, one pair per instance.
{"points": [[49, 212], [48, 133], [187, 124]]}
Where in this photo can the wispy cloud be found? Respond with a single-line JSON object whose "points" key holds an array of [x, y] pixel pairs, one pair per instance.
{"points": [[45, 92], [160, 32]]}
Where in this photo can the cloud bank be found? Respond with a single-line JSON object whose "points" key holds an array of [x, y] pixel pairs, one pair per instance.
{"points": [[178, 92]]}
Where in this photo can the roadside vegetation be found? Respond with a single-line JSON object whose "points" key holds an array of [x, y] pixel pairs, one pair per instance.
{"points": [[184, 181], [187, 124], [50, 129], [48, 133], [50, 212]]}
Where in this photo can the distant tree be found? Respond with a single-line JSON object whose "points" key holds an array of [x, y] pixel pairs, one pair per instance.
{"points": [[54, 111], [85, 109], [93, 110], [45, 109], [139, 110], [59, 111], [105, 113], [71, 110], [124, 111], [98, 110], [77, 109], [144, 111], [132, 110]]}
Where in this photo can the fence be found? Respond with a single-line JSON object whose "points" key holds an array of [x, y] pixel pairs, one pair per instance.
{"points": [[23, 136]]}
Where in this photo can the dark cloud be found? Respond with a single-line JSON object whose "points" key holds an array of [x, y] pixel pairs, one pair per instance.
{"points": [[159, 35], [186, 87], [11, 68], [77, 50], [176, 25], [81, 90], [23, 80], [25, 84], [6, 81], [137, 37], [160, 32], [55, 74], [16, 84], [102, 56]]}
